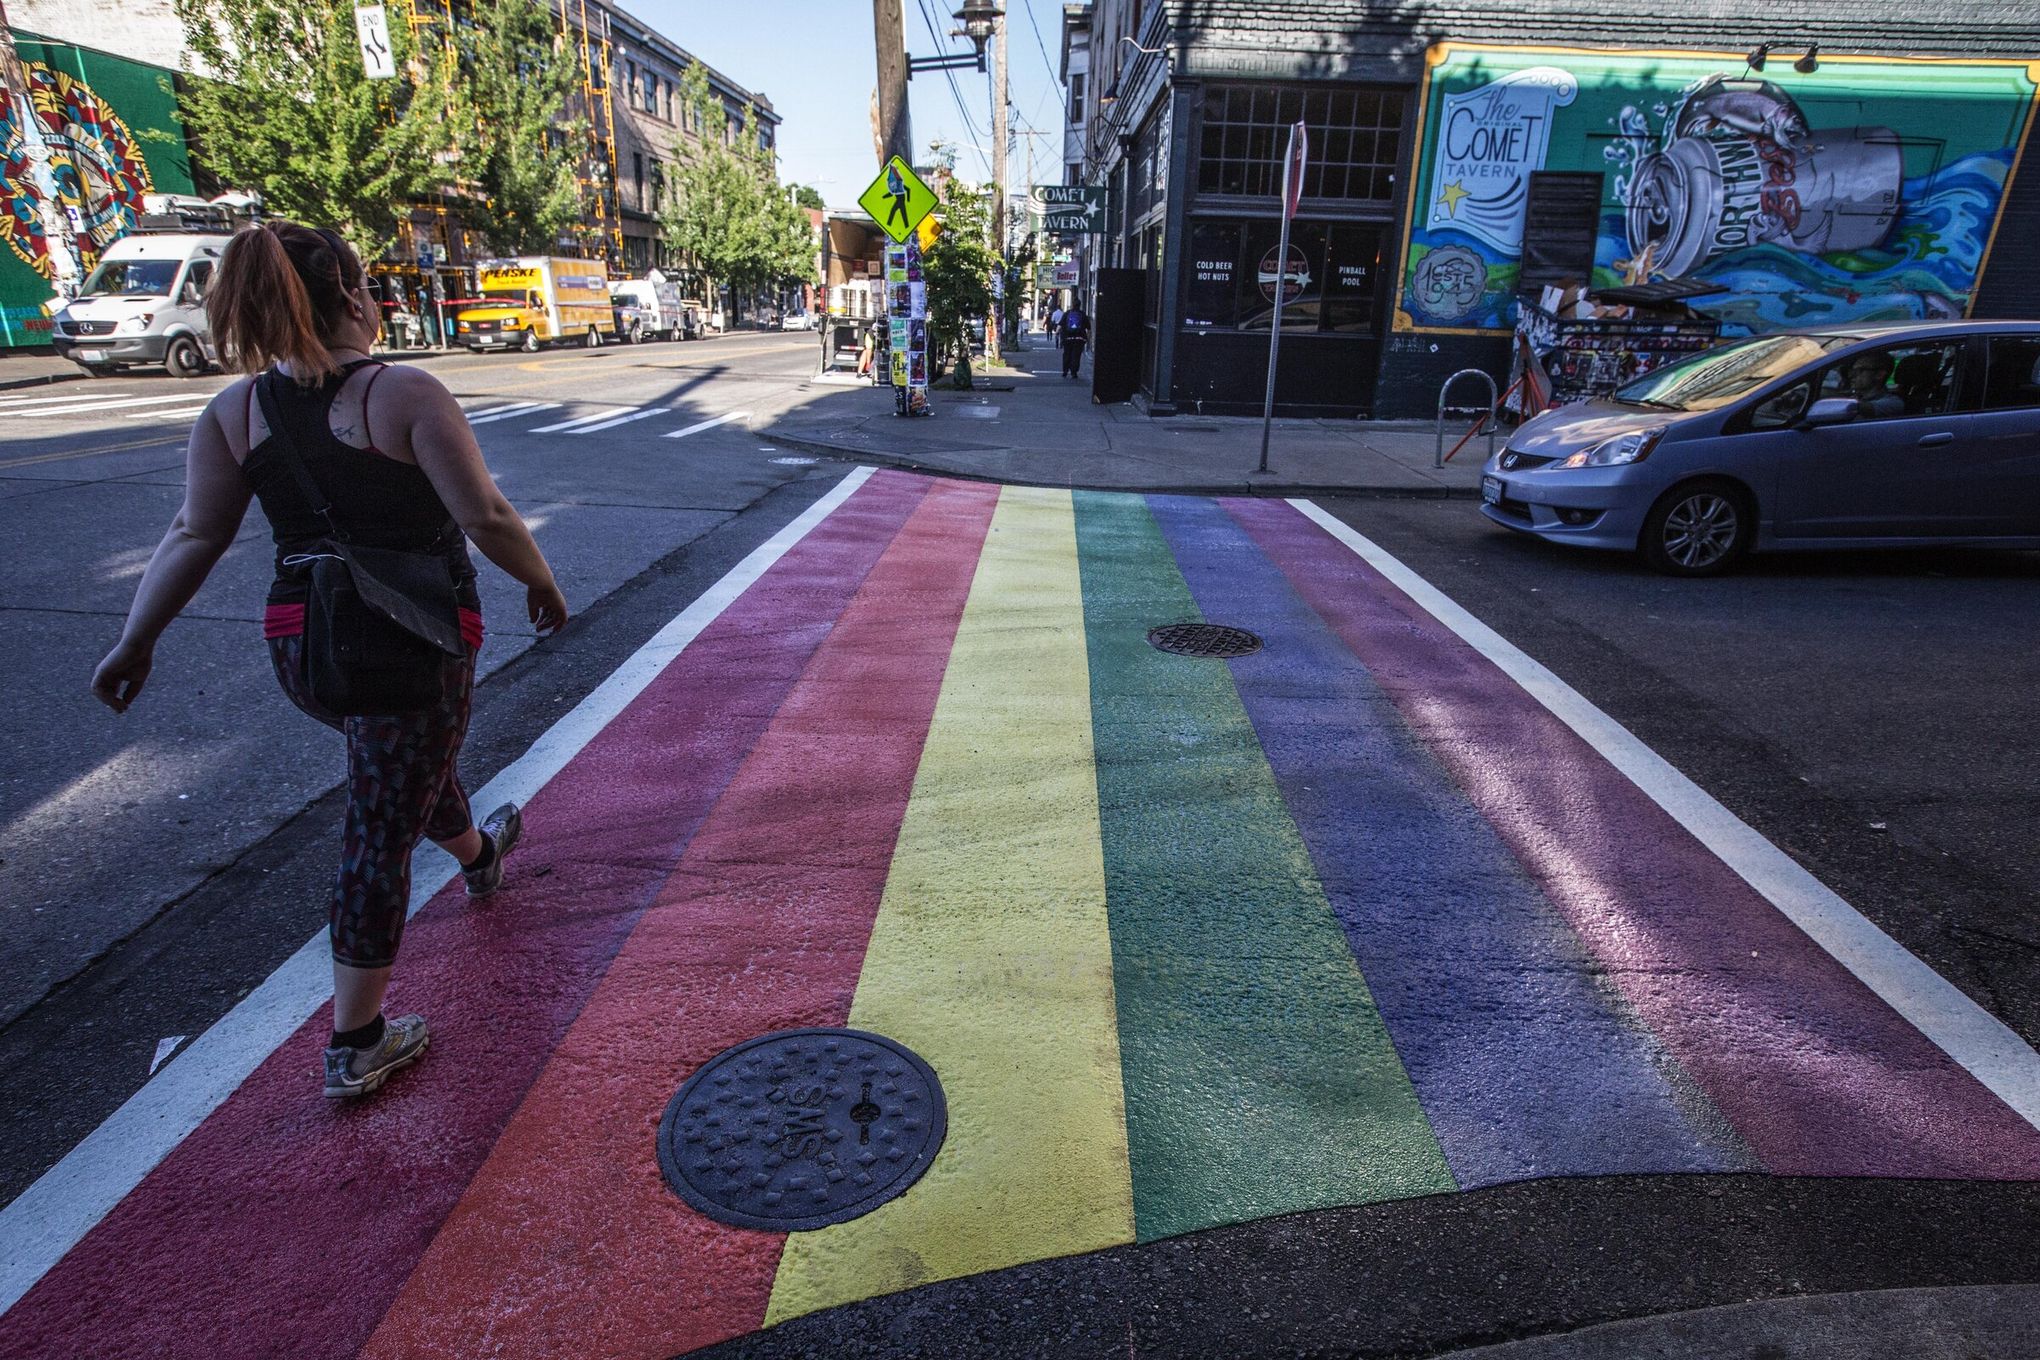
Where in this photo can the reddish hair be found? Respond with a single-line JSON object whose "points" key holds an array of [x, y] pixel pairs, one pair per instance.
{"points": [[280, 292]]}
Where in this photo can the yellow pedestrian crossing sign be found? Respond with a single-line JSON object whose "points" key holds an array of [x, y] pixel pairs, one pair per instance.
{"points": [[897, 199]]}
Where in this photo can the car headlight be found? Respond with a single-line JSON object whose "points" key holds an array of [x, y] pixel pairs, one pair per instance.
{"points": [[136, 325], [1633, 447]]}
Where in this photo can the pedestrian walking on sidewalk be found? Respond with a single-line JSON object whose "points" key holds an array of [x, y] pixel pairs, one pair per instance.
{"points": [[1055, 315], [1074, 330], [389, 452]]}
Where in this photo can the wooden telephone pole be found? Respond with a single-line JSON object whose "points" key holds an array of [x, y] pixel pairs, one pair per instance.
{"points": [[894, 132]]}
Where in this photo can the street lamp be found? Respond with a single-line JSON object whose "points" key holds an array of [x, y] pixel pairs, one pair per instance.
{"points": [[977, 20]]}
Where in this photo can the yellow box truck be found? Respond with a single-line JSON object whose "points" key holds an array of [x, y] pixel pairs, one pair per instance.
{"points": [[537, 300]]}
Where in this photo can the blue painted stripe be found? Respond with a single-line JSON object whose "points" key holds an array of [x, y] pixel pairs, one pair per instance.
{"points": [[1526, 1062]]}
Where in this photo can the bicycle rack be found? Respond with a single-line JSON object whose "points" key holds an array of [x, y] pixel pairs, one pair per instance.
{"points": [[1494, 399]]}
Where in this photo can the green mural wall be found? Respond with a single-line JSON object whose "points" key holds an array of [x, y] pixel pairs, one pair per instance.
{"points": [[105, 132], [1866, 190]]}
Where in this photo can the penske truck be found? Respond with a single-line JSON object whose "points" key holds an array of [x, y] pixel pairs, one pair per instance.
{"points": [[537, 300]]}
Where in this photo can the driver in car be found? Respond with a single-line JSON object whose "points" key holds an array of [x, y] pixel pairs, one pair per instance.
{"points": [[1869, 377]]}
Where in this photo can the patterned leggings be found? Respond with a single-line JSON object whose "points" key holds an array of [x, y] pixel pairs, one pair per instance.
{"points": [[402, 785]]}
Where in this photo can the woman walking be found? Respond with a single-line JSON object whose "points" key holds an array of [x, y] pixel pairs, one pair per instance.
{"points": [[389, 450]]}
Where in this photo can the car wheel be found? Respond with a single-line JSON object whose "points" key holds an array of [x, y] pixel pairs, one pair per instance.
{"points": [[530, 345], [591, 340], [184, 359], [1698, 529]]}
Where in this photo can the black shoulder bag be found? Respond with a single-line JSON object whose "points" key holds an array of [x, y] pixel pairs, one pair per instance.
{"points": [[379, 622]]}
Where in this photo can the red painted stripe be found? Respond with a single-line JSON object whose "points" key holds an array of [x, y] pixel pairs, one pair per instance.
{"points": [[1817, 1074], [568, 1242], [286, 1224], [282, 620]]}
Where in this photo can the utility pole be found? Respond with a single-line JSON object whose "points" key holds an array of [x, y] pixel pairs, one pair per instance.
{"points": [[1003, 305], [895, 129]]}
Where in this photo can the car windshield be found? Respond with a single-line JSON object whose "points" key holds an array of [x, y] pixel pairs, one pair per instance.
{"points": [[1726, 373], [117, 277], [513, 296]]}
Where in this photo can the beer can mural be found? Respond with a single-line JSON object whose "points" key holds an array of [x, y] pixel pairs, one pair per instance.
{"points": [[1866, 190], [96, 133]]}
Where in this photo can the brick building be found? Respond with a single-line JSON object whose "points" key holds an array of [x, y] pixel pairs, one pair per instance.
{"points": [[1871, 165]]}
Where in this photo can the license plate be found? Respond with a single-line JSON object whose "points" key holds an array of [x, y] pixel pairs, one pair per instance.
{"points": [[1491, 490], [92, 356]]}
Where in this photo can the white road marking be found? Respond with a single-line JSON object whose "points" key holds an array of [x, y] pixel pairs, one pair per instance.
{"points": [[709, 424], [522, 408], [1984, 1045], [52, 1215], [620, 420], [164, 1048], [25, 400], [163, 415], [109, 405], [582, 420]]}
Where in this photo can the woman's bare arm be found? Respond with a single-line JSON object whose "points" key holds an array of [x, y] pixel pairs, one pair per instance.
{"points": [[215, 501], [444, 446]]}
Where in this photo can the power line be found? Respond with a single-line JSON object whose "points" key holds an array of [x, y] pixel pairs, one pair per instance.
{"points": [[1054, 71]]}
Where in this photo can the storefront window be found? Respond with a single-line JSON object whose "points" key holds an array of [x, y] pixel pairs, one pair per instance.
{"points": [[1355, 141], [1329, 278]]}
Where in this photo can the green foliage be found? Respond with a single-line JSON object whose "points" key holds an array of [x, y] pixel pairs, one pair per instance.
{"points": [[287, 111], [957, 268], [515, 154], [807, 196], [727, 212]]}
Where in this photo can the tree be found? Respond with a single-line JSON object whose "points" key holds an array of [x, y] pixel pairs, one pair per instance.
{"points": [[516, 157], [287, 110], [957, 268], [807, 196], [727, 212]]}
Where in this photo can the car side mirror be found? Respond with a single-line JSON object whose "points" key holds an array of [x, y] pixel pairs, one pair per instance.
{"points": [[1830, 411]]}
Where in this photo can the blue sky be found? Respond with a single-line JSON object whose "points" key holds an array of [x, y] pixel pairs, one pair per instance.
{"points": [[814, 60]]}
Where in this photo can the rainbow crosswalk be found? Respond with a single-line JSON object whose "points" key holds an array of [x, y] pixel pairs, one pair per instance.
{"points": [[1352, 919]]}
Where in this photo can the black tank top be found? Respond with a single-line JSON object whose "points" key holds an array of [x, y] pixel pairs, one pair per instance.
{"points": [[380, 502]]}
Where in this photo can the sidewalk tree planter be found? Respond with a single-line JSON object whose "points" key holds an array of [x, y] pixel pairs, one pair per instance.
{"points": [[957, 267]]}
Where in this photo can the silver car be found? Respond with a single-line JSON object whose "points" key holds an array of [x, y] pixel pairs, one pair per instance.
{"points": [[1852, 437]]}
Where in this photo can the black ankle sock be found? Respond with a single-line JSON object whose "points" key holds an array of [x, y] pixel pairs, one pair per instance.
{"points": [[485, 858], [368, 1036]]}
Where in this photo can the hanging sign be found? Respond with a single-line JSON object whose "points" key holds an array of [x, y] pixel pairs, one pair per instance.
{"points": [[372, 27]]}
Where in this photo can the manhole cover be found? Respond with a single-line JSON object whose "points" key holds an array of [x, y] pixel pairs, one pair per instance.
{"points": [[1213, 640], [802, 1129]]}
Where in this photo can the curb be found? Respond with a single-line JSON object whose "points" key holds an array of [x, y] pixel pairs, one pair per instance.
{"points": [[46, 380], [908, 463]]}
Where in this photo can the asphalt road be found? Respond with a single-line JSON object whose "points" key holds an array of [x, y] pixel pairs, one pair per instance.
{"points": [[107, 822]]}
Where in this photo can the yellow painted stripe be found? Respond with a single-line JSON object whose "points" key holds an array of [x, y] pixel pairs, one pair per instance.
{"points": [[991, 956]]}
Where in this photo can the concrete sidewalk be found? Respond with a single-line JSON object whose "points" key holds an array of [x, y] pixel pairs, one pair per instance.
{"points": [[1026, 424]]}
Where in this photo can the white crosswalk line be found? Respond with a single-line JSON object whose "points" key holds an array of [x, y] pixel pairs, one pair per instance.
{"points": [[709, 424], [163, 415], [109, 405], [583, 420], [620, 420], [15, 403], [522, 408]]}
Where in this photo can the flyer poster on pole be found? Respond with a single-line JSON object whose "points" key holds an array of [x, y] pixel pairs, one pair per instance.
{"points": [[913, 395]]}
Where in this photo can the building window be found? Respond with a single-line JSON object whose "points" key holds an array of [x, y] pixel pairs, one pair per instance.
{"points": [[651, 93], [637, 173], [1331, 279], [658, 186], [630, 79], [669, 101], [1077, 99], [1355, 141]]}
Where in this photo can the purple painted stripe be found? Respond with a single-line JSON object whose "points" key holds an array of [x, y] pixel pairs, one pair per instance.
{"points": [[1525, 1063], [285, 1224], [1816, 1073]]}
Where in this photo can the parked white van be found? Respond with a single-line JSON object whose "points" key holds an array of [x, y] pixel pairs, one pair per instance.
{"points": [[658, 302], [145, 303]]}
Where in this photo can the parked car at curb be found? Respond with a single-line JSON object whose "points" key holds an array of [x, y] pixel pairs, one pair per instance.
{"points": [[1847, 437]]}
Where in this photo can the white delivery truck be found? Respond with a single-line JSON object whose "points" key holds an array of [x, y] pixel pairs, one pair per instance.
{"points": [[658, 303], [145, 302], [537, 300]]}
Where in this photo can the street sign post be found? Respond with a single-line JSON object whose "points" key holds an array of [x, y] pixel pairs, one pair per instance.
{"points": [[1292, 195], [372, 27], [897, 200]]}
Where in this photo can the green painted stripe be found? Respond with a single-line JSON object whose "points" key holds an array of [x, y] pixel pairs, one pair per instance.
{"points": [[1259, 1078]]}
